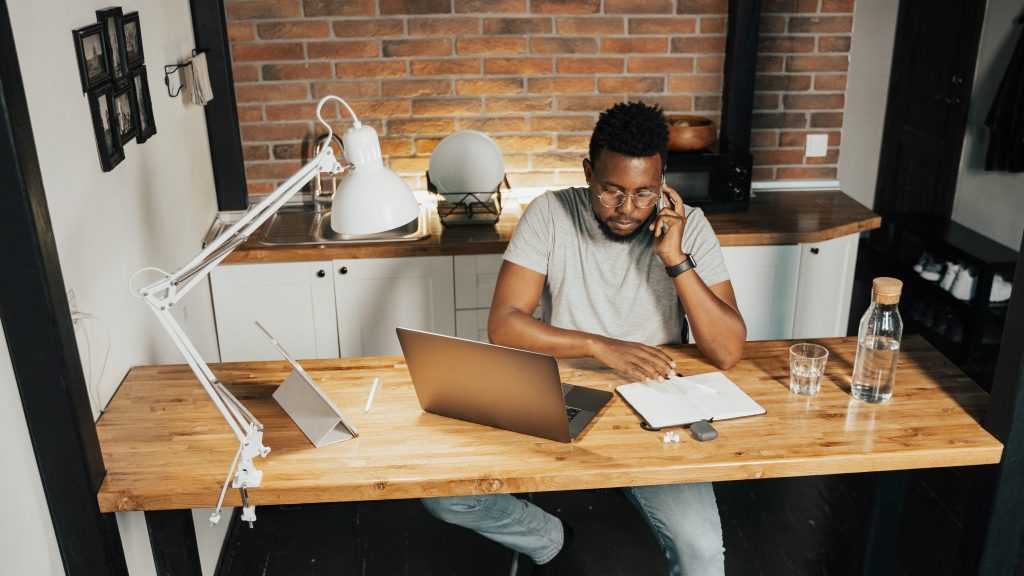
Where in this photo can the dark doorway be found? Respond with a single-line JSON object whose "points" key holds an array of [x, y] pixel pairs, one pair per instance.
{"points": [[929, 90]]}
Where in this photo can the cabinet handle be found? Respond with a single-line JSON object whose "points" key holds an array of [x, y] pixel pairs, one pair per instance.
{"points": [[343, 270], [320, 273], [814, 250]]}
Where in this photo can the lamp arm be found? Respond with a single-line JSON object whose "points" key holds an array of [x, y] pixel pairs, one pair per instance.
{"points": [[238, 233], [162, 295]]}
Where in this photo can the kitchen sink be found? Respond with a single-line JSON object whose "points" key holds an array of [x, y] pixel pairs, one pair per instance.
{"points": [[301, 225]]}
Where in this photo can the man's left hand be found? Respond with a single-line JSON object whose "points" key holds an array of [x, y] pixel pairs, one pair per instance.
{"points": [[668, 229]]}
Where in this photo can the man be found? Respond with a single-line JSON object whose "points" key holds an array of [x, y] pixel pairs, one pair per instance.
{"points": [[616, 276]]}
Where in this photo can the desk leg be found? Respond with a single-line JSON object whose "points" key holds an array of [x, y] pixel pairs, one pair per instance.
{"points": [[172, 536], [883, 535]]}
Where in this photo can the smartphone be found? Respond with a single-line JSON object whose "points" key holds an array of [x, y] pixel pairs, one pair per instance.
{"points": [[661, 194], [661, 203]]}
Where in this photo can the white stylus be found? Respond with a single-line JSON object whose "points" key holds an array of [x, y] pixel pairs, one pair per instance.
{"points": [[373, 392]]}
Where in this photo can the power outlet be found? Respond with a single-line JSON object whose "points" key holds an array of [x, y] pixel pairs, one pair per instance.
{"points": [[817, 146], [73, 306]]}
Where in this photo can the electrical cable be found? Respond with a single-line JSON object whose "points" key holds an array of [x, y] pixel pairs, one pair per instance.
{"points": [[140, 271], [215, 517], [93, 387]]}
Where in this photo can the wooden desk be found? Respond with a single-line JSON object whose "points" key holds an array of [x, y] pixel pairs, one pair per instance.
{"points": [[166, 447]]}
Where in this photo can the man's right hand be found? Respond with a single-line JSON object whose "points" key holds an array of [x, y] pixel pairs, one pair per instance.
{"points": [[633, 359]]}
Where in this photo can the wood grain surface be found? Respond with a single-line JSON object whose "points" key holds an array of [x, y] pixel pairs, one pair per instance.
{"points": [[773, 218], [166, 447]]}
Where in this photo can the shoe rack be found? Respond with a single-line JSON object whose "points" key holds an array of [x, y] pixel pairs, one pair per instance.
{"points": [[968, 332]]}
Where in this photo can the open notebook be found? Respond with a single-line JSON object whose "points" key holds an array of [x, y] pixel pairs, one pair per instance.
{"points": [[683, 400]]}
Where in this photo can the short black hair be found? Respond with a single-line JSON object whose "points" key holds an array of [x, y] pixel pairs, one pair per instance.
{"points": [[631, 129]]}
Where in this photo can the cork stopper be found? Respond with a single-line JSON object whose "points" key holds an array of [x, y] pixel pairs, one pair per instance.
{"points": [[885, 290]]}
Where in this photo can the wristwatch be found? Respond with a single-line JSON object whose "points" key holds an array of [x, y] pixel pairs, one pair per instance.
{"points": [[683, 266]]}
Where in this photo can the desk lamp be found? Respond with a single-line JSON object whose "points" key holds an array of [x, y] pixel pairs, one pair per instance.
{"points": [[371, 199]]}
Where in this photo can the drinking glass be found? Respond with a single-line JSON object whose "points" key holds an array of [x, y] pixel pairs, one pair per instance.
{"points": [[806, 367]]}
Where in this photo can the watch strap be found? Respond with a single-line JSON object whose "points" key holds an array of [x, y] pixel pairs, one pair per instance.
{"points": [[683, 266]]}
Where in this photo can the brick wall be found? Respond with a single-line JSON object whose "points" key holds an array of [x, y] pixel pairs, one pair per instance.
{"points": [[533, 74]]}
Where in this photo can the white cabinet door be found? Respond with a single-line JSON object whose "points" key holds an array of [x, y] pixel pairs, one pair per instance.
{"points": [[764, 279], [375, 296], [472, 324], [475, 278], [825, 287], [293, 300]]}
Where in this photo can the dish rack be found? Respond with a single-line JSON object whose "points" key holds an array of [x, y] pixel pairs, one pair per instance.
{"points": [[470, 208]]}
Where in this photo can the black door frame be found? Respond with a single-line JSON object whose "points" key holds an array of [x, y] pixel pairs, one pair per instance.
{"points": [[209, 25], [41, 340], [994, 527]]}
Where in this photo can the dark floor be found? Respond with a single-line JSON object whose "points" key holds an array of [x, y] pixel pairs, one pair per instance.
{"points": [[775, 527]]}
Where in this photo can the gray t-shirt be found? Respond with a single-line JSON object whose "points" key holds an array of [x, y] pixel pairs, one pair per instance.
{"points": [[596, 285]]}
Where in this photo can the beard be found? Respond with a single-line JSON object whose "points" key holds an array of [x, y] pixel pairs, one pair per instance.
{"points": [[620, 238]]}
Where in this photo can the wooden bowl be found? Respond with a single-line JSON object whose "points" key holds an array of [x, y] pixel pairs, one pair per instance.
{"points": [[690, 132]]}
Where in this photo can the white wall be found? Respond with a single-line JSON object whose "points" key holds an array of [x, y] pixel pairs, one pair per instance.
{"points": [[991, 203], [867, 89], [27, 545], [151, 210]]}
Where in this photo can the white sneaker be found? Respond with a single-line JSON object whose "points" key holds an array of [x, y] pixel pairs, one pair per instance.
{"points": [[924, 259], [952, 269], [964, 284], [1001, 289], [928, 268]]}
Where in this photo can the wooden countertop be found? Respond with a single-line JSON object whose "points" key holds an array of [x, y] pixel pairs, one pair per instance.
{"points": [[165, 446], [773, 218]]}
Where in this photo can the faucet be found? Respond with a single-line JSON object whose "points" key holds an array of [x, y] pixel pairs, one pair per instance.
{"points": [[319, 196]]}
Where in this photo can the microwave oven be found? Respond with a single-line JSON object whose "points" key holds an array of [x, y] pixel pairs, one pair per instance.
{"points": [[711, 181]]}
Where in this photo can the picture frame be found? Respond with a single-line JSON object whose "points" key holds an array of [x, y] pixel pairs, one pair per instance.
{"points": [[132, 39], [111, 20], [108, 144], [147, 123], [92, 52], [126, 112]]}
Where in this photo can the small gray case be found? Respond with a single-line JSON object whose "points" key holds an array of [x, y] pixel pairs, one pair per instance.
{"points": [[703, 431]]}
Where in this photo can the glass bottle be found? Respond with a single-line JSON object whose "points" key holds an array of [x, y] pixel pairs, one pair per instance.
{"points": [[878, 343]]}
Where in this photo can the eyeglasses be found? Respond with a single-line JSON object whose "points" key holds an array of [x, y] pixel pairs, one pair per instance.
{"points": [[642, 199]]}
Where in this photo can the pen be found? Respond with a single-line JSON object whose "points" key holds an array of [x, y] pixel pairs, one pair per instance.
{"points": [[373, 391]]}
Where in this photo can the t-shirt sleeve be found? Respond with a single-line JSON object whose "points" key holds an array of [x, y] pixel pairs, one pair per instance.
{"points": [[702, 244], [531, 242]]}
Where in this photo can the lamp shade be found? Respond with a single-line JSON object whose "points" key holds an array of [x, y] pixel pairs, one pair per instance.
{"points": [[371, 198]]}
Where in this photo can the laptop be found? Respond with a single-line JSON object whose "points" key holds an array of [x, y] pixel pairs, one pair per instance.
{"points": [[497, 386]]}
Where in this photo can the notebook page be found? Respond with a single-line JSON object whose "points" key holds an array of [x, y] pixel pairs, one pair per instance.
{"points": [[727, 401], [661, 404], [683, 400]]}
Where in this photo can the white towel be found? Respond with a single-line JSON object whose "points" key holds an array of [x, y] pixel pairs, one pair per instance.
{"points": [[198, 78]]}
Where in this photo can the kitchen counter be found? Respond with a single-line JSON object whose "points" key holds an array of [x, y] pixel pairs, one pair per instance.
{"points": [[773, 218]]}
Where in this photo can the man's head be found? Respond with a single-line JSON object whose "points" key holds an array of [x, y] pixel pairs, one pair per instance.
{"points": [[627, 158]]}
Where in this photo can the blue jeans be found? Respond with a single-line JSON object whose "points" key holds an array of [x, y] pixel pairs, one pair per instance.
{"points": [[684, 518]]}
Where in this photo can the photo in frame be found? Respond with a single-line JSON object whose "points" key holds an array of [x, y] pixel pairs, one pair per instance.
{"points": [[108, 144], [126, 113], [132, 39], [140, 85], [111, 20], [92, 52]]}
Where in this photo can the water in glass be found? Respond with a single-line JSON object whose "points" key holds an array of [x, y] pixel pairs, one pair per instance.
{"points": [[875, 369], [805, 379]]}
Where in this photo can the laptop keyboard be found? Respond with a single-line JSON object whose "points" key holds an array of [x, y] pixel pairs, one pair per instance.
{"points": [[572, 412]]}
